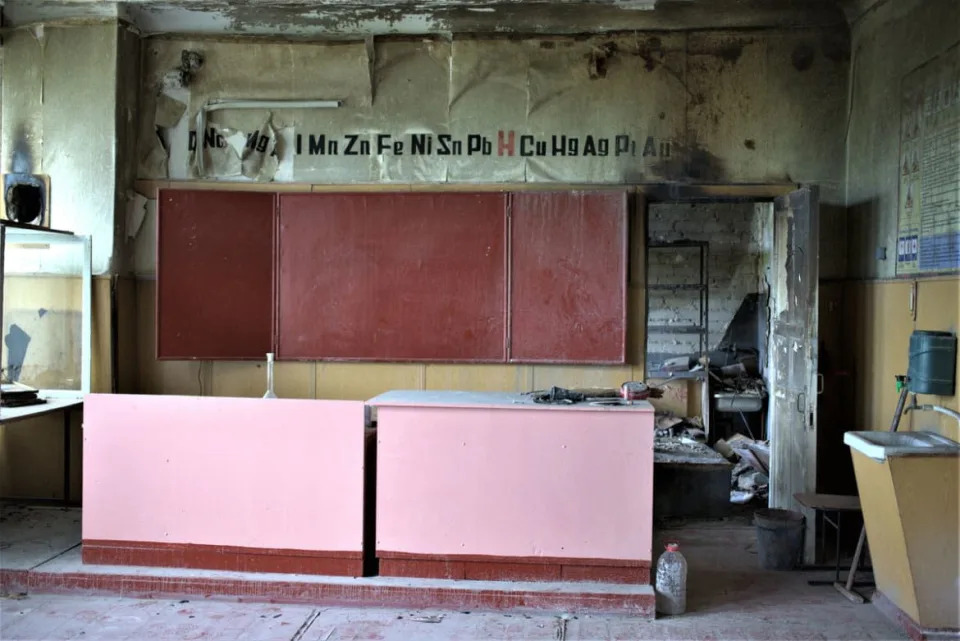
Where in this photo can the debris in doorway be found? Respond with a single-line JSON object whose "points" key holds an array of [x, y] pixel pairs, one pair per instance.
{"points": [[752, 481], [756, 453], [669, 424], [750, 477], [724, 449], [675, 449]]}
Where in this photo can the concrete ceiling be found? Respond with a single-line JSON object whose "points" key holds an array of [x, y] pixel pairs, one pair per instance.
{"points": [[352, 18]]}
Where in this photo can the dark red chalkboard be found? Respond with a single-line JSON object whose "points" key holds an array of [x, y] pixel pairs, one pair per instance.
{"points": [[568, 284], [399, 276], [214, 274]]}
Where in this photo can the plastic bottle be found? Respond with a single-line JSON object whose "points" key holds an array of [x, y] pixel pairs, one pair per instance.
{"points": [[671, 581]]}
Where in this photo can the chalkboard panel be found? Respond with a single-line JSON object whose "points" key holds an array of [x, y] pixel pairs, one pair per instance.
{"points": [[568, 277], [214, 274], [392, 276]]}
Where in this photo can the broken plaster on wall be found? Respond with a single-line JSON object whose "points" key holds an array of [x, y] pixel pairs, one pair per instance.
{"points": [[238, 152], [155, 162], [169, 111], [136, 213]]}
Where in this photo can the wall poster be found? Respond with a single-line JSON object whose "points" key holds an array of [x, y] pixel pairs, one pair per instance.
{"points": [[928, 234]]}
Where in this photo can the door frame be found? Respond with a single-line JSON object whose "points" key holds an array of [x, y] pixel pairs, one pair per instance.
{"points": [[762, 195], [654, 193]]}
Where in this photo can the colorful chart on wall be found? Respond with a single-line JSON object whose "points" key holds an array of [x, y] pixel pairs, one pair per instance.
{"points": [[928, 238]]}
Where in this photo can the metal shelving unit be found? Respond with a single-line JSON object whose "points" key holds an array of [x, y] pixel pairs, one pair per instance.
{"points": [[701, 329]]}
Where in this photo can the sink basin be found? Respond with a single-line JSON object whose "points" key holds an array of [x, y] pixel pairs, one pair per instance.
{"points": [[883, 445]]}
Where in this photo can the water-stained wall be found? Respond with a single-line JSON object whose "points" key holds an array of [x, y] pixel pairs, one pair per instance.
{"points": [[708, 107], [890, 38], [701, 107], [59, 97]]}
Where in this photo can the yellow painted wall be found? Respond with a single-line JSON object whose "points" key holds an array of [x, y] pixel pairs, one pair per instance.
{"points": [[31, 451], [878, 323]]}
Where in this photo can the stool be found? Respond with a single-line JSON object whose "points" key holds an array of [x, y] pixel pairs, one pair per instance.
{"points": [[826, 505]]}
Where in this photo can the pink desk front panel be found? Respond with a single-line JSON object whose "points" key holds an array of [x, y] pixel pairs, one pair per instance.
{"points": [[228, 483], [466, 492]]}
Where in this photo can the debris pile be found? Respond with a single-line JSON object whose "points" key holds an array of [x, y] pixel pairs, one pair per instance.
{"points": [[669, 424], [750, 477]]}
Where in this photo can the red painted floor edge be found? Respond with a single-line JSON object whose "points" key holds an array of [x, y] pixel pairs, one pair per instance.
{"points": [[906, 623], [14, 581], [331, 594]]}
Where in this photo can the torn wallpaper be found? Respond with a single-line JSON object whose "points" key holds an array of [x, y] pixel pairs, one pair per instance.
{"points": [[470, 110]]}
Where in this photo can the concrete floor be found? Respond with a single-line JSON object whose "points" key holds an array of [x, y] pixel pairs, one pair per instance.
{"points": [[728, 598], [30, 536], [51, 617]]}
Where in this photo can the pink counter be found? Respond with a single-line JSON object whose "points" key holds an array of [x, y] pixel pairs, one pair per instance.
{"points": [[494, 486], [224, 483]]}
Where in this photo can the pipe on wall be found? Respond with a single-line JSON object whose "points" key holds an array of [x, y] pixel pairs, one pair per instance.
{"points": [[946, 411]]}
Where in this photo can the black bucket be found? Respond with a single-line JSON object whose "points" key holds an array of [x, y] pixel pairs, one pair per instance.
{"points": [[779, 538]]}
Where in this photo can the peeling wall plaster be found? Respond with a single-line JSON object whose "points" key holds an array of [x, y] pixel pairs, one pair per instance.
{"points": [[59, 101], [353, 18], [731, 106]]}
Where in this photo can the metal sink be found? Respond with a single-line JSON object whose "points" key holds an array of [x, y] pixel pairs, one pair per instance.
{"points": [[883, 445]]}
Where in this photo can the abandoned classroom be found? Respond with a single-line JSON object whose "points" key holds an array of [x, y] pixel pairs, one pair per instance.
{"points": [[580, 319]]}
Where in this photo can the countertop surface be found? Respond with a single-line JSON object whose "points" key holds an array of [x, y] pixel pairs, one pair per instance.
{"points": [[492, 400], [53, 404]]}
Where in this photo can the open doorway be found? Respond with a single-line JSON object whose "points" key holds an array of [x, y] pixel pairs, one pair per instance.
{"points": [[732, 315], [707, 336]]}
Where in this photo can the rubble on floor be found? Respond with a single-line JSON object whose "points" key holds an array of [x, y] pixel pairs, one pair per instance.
{"points": [[680, 449], [668, 424], [750, 477]]}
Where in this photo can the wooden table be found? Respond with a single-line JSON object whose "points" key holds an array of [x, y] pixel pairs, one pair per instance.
{"points": [[64, 405]]}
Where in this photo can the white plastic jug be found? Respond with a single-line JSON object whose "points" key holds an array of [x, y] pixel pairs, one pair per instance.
{"points": [[671, 584]]}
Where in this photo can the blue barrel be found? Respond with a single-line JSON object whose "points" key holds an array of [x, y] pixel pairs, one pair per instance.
{"points": [[933, 363]]}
